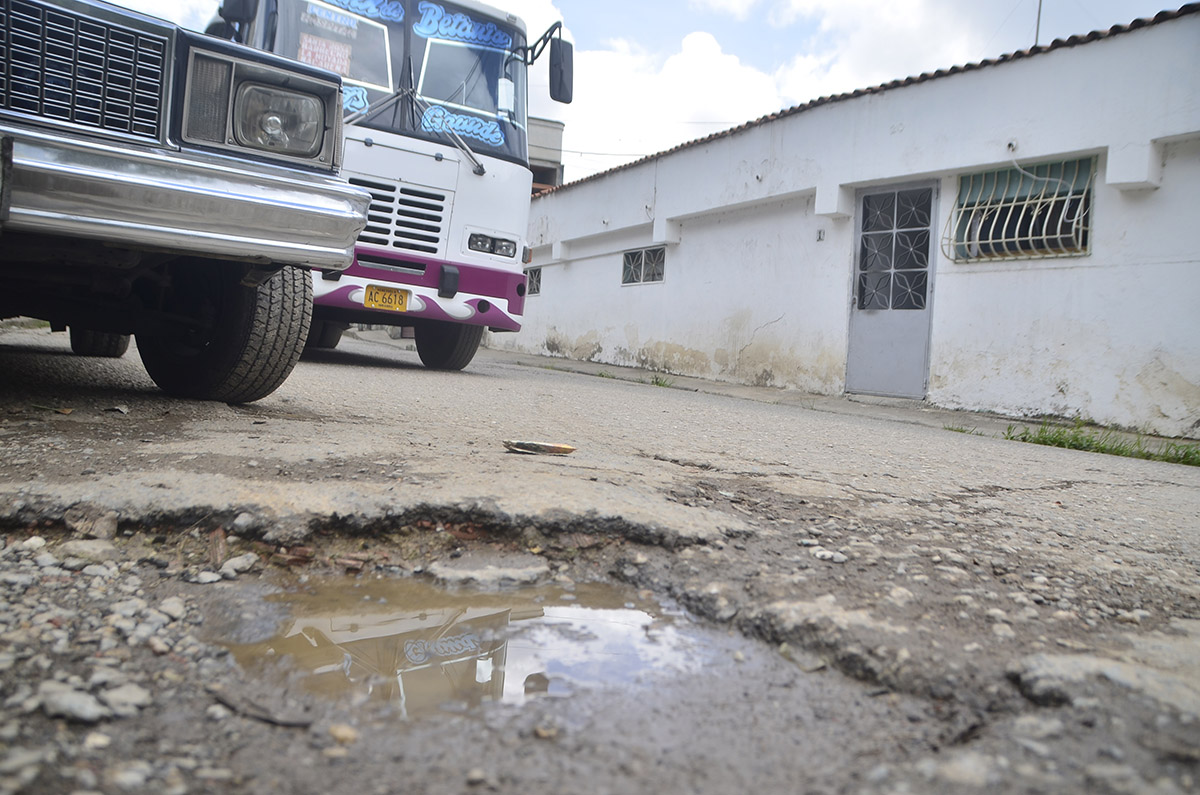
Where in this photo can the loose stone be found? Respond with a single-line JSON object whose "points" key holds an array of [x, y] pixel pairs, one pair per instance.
{"points": [[343, 733], [126, 700], [60, 700], [96, 741], [239, 565], [131, 775], [174, 607], [218, 712]]}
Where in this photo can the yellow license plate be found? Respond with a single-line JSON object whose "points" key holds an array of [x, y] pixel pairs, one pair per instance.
{"points": [[388, 298]]}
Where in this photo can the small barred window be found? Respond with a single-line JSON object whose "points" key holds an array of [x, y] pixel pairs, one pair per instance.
{"points": [[1023, 213], [644, 265]]}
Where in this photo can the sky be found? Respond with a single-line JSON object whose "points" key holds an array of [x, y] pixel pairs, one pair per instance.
{"points": [[652, 75]]}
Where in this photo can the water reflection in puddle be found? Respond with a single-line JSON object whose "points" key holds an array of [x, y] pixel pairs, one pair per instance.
{"points": [[421, 648]]}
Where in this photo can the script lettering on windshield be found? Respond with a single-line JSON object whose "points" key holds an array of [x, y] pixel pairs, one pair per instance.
{"points": [[390, 10], [438, 119], [437, 22], [354, 99]]}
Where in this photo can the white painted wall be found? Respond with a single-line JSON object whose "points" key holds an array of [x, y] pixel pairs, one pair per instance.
{"points": [[752, 295]]}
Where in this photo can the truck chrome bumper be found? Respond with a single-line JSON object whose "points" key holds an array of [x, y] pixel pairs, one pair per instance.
{"points": [[214, 207]]}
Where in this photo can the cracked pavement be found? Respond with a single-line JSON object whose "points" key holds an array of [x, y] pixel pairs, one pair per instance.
{"points": [[1033, 611]]}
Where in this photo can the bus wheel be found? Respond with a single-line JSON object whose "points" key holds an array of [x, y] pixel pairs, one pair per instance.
{"points": [[447, 346], [98, 343], [324, 335]]}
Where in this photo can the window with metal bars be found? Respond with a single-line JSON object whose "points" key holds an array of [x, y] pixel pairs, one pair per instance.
{"points": [[533, 281], [644, 265], [1031, 212]]}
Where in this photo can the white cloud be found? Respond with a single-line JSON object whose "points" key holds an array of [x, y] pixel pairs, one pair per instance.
{"points": [[864, 43], [739, 9], [633, 102]]}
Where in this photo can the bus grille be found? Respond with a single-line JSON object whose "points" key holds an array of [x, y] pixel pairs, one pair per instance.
{"points": [[63, 66], [404, 218]]}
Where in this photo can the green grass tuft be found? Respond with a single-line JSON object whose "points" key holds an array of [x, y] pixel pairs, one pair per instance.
{"points": [[1081, 437]]}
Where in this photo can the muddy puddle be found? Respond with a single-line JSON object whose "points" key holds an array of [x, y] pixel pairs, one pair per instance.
{"points": [[420, 649]]}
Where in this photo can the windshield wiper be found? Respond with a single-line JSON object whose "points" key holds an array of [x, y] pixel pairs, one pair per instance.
{"points": [[477, 165], [409, 92]]}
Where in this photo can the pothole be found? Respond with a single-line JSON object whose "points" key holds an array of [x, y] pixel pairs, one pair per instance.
{"points": [[419, 648]]}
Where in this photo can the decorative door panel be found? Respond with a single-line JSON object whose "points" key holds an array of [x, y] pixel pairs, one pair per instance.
{"points": [[889, 321]]}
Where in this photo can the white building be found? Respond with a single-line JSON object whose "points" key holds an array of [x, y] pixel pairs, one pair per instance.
{"points": [[545, 153], [1018, 235]]}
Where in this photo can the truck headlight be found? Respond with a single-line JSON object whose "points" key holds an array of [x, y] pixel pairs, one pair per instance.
{"points": [[278, 120], [270, 108]]}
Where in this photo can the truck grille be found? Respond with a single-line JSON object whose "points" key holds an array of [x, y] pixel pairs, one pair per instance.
{"points": [[404, 218], [61, 65]]}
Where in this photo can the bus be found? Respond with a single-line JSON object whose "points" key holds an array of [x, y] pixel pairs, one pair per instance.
{"points": [[435, 97]]}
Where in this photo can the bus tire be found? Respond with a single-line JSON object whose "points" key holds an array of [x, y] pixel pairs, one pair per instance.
{"points": [[242, 342], [447, 346], [324, 335], [98, 343]]}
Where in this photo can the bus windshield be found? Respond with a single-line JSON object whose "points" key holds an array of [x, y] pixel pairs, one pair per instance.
{"points": [[455, 69]]}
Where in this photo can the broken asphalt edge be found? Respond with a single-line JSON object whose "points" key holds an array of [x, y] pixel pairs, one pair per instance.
{"points": [[815, 634]]}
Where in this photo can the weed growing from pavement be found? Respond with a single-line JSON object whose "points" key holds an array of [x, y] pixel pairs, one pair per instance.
{"points": [[1081, 437], [658, 380], [605, 374], [962, 429]]}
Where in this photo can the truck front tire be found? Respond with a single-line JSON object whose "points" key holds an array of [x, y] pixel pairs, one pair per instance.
{"points": [[239, 343], [447, 346]]}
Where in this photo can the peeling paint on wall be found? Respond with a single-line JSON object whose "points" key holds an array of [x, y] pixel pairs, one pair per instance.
{"points": [[815, 369], [586, 348], [671, 357], [1174, 396]]}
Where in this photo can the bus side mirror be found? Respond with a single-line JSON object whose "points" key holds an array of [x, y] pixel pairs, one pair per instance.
{"points": [[562, 70], [238, 11]]}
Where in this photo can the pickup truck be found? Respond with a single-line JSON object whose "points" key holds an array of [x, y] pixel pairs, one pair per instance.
{"points": [[168, 185]]}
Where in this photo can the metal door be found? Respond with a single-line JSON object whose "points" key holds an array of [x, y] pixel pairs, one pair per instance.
{"points": [[889, 322]]}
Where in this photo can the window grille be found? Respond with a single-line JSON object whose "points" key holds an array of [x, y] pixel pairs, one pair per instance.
{"points": [[1023, 213], [894, 249], [644, 265], [533, 281]]}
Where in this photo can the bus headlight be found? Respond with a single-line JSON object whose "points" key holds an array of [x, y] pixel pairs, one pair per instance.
{"points": [[492, 245], [278, 120]]}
